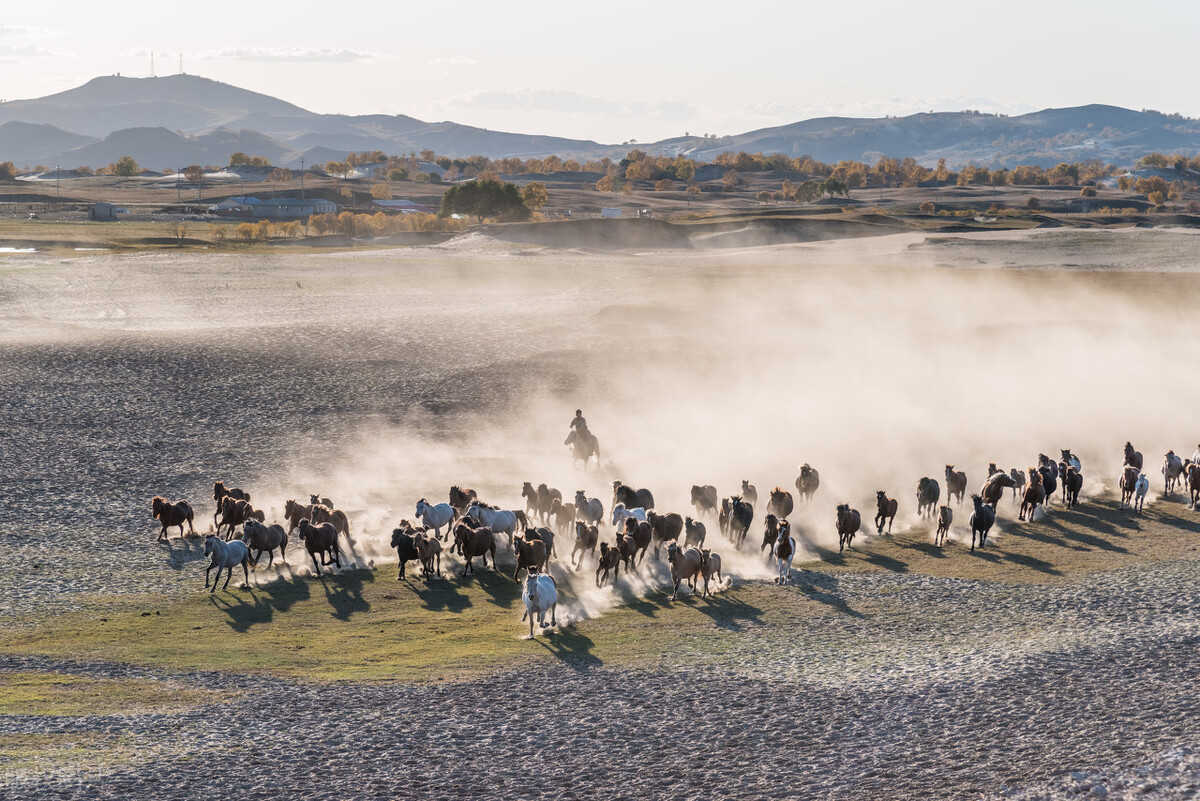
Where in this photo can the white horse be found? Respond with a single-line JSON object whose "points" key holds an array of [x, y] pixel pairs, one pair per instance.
{"points": [[584, 446], [540, 595], [500, 521], [1140, 489], [224, 556], [436, 516], [619, 513], [589, 510]]}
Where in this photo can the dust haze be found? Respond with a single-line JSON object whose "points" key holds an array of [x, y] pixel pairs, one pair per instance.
{"points": [[386, 377]]}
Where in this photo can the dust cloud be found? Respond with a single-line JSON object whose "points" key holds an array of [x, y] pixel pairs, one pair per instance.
{"points": [[876, 361]]}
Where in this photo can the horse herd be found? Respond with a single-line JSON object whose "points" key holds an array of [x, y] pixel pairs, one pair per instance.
{"points": [[471, 528]]}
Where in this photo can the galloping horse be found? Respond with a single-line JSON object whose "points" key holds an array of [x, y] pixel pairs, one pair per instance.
{"points": [[225, 555], [785, 549], [584, 446], [886, 511]]}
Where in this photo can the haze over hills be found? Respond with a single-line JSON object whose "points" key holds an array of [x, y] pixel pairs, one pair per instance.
{"points": [[185, 119]]}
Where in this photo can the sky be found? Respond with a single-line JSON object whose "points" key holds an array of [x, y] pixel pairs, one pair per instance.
{"points": [[623, 71]]}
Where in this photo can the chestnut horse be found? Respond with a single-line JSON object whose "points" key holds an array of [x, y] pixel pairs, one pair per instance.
{"points": [[886, 511]]}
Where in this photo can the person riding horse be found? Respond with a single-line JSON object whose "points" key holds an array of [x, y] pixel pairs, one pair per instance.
{"points": [[578, 426]]}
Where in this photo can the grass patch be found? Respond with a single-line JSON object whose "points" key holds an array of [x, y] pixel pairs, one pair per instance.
{"points": [[367, 626], [53, 693], [64, 752]]}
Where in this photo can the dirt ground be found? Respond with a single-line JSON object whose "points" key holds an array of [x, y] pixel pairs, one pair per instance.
{"points": [[896, 670]]}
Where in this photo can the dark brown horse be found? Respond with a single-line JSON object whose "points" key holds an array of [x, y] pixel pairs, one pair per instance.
{"points": [[472, 542], [1193, 479], [460, 499], [741, 515], [632, 498], [694, 533], [610, 559], [945, 518], [260, 537], [586, 538], [531, 555], [220, 492], [1128, 483], [1132, 458], [641, 533], [171, 514], [928, 493], [770, 533], [992, 490], [666, 528], [323, 540], [1072, 484], [319, 513], [848, 523], [1034, 495], [886, 509]]}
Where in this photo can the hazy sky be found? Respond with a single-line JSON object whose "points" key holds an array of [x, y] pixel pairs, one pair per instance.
{"points": [[616, 70]]}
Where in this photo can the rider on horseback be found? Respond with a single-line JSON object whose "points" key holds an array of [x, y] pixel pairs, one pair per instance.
{"points": [[578, 426]]}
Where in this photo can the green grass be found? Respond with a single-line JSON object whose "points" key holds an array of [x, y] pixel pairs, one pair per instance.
{"points": [[53, 693], [368, 626], [62, 752]]}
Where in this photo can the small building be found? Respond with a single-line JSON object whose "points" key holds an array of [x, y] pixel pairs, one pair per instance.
{"points": [[404, 206], [105, 212], [277, 208], [611, 213]]}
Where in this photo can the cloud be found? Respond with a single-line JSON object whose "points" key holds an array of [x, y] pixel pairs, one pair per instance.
{"points": [[450, 61], [291, 54], [563, 101], [20, 40]]}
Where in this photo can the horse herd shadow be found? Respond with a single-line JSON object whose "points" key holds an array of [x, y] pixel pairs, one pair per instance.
{"points": [[343, 592]]}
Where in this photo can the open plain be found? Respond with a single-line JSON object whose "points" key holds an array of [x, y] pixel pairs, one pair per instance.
{"points": [[1060, 660]]}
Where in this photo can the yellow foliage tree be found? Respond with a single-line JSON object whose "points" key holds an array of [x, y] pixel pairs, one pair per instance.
{"points": [[534, 195]]}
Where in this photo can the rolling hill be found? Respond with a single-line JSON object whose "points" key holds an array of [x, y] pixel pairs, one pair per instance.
{"points": [[186, 119]]}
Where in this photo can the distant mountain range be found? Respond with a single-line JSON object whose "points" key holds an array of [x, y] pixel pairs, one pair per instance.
{"points": [[179, 120]]}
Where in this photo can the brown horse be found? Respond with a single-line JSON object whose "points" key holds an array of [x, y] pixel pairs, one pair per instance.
{"points": [[848, 523], [694, 533], [666, 528], [610, 559], [1128, 483], [945, 518], [992, 490], [531, 555], [956, 484], [780, 503], [1019, 483], [294, 512], [323, 540], [685, 567], [710, 565], [586, 538], [429, 552], [319, 513], [315, 499], [1132, 458], [627, 548], [641, 533], [928, 493], [171, 514], [220, 492], [472, 542], [1034, 496], [1072, 484], [460, 499], [704, 498], [886, 511], [1193, 479], [235, 513], [770, 533]]}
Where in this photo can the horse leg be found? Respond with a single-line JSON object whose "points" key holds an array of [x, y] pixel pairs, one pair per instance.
{"points": [[245, 571], [315, 563], [206, 573]]}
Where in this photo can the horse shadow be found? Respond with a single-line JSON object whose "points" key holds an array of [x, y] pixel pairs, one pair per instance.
{"points": [[440, 596], [928, 548], [571, 647], [1081, 537], [823, 588], [265, 601], [502, 591], [730, 614], [344, 592], [646, 606], [183, 552]]}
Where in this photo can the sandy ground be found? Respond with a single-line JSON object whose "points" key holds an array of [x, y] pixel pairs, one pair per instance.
{"points": [[378, 378]]}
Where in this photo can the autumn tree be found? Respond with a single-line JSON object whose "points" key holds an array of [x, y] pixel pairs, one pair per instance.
{"points": [[927, 207], [663, 185], [381, 191], [534, 195], [194, 173], [1156, 198], [179, 230], [125, 167], [692, 193], [280, 175], [8, 171], [217, 234], [763, 197], [1033, 203], [245, 232]]}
